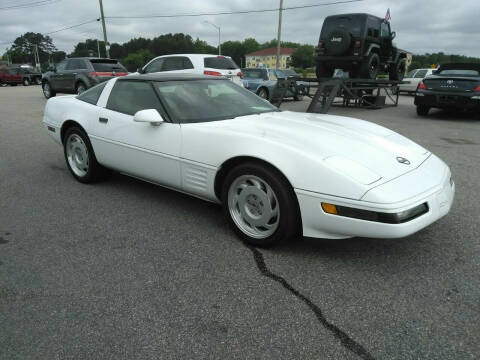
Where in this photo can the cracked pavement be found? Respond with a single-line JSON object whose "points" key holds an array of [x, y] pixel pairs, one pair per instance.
{"points": [[128, 270]]}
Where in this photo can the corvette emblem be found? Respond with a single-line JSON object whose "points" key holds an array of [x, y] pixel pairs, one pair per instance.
{"points": [[402, 160]]}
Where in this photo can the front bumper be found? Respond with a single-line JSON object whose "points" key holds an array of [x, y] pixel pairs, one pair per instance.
{"points": [[319, 224], [448, 99]]}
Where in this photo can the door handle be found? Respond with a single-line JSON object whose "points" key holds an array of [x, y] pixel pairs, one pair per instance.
{"points": [[103, 120]]}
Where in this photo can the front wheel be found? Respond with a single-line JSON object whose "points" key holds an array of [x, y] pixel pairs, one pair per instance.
{"points": [[397, 71], [260, 205], [422, 110], [48, 92], [26, 82], [80, 158], [38, 81], [81, 88]]}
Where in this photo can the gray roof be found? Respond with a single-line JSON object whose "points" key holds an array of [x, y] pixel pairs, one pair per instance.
{"points": [[170, 77]]}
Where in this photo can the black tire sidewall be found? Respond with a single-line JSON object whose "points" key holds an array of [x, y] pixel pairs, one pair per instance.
{"points": [[422, 110], [52, 93], [25, 82], [81, 84], [93, 172], [265, 91], [289, 213], [365, 68]]}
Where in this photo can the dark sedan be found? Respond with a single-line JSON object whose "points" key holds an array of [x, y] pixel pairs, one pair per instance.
{"points": [[452, 86]]}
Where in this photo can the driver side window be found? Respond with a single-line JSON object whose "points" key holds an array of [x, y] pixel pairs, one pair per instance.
{"points": [[385, 30], [61, 65]]}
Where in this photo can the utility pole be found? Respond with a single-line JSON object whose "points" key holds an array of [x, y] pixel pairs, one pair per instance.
{"points": [[219, 42], [98, 48], [37, 58], [279, 33], [104, 29]]}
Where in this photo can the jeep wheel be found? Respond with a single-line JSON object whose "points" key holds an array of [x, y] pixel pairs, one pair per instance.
{"points": [[397, 71], [323, 71], [369, 67]]}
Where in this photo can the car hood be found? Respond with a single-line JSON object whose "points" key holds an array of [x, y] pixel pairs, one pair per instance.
{"points": [[355, 148]]}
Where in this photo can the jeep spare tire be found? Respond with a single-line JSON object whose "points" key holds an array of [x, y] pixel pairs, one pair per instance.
{"points": [[338, 42]]}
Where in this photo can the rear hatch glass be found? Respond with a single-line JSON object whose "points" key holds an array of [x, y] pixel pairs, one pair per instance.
{"points": [[105, 65], [352, 24], [220, 63]]}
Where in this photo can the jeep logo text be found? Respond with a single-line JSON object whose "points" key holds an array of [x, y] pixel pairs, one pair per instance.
{"points": [[336, 39]]}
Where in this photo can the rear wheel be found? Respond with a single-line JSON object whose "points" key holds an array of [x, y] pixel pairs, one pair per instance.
{"points": [[260, 205], [397, 71], [38, 81], [369, 67], [26, 82], [47, 90], [423, 110], [80, 158], [263, 93]]}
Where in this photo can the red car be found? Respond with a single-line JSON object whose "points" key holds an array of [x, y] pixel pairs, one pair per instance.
{"points": [[10, 76]]}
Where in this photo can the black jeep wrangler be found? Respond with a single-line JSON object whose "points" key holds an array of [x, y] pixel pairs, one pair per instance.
{"points": [[360, 44]]}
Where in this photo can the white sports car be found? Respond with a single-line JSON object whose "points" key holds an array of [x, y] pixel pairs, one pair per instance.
{"points": [[277, 173]]}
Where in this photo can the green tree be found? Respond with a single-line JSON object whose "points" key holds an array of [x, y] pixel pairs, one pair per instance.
{"points": [[202, 47], [23, 48], [89, 48], [138, 59], [304, 56]]}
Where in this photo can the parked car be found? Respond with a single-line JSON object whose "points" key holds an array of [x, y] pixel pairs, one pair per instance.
{"points": [[30, 76], [10, 77], [215, 65], [452, 86], [360, 44], [263, 81], [278, 174], [75, 75], [413, 78]]}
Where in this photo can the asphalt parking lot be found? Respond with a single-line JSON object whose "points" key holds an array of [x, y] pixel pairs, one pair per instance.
{"points": [[127, 270]]}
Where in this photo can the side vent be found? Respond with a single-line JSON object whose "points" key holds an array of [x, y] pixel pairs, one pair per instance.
{"points": [[195, 179]]}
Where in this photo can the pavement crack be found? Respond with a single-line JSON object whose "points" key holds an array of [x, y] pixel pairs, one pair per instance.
{"points": [[346, 340]]}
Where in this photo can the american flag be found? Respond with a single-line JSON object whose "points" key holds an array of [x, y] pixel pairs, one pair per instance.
{"points": [[387, 16]]}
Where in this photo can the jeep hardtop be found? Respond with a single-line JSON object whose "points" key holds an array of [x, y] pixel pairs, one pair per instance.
{"points": [[360, 44]]}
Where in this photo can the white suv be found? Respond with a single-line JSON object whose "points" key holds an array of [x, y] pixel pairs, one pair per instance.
{"points": [[216, 65]]}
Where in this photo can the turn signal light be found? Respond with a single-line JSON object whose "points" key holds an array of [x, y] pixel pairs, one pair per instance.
{"points": [[240, 74], [213, 73], [357, 44], [329, 208], [421, 86]]}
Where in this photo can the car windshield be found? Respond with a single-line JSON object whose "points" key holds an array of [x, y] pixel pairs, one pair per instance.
{"points": [[253, 73], [352, 24], [220, 62], [459, 72], [209, 100], [106, 65]]}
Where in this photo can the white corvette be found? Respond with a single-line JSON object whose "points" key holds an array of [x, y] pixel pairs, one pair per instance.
{"points": [[276, 173]]}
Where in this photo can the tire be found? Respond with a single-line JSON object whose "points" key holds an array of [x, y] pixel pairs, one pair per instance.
{"points": [[38, 81], [80, 88], [369, 67], [298, 97], [423, 110], [13, 84], [80, 158], [245, 200], [263, 93], [26, 82], [397, 71], [47, 90], [323, 71]]}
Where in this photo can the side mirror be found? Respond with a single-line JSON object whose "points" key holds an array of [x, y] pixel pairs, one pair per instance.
{"points": [[393, 35], [148, 116], [52, 68], [140, 70]]}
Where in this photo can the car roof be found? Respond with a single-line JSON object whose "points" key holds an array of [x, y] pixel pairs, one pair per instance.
{"points": [[170, 77], [90, 58], [363, 15], [460, 66], [201, 56]]}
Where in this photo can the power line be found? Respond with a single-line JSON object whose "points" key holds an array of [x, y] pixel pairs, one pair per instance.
{"points": [[233, 12], [29, 5]]}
